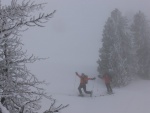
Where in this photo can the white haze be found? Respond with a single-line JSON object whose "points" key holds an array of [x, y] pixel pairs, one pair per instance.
{"points": [[72, 38]]}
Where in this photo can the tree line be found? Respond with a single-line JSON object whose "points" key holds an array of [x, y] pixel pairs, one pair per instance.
{"points": [[125, 51]]}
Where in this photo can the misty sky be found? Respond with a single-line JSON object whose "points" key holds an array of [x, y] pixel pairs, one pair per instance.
{"points": [[72, 37]]}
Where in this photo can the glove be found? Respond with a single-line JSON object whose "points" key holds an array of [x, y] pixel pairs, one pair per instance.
{"points": [[99, 76], [76, 73], [94, 78]]}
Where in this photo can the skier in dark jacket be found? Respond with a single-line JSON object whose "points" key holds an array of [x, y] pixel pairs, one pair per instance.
{"points": [[107, 80], [83, 81]]}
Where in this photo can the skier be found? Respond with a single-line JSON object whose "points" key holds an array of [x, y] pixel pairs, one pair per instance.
{"points": [[107, 80], [83, 81]]}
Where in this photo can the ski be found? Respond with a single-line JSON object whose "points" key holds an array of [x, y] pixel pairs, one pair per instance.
{"points": [[104, 94], [80, 95]]}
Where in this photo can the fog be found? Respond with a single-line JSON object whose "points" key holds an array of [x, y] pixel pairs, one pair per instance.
{"points": [[72, 38]]}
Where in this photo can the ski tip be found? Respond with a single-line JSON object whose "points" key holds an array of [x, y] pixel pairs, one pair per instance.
{"points": [[81, 95]]}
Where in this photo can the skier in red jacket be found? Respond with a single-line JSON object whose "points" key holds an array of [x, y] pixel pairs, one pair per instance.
{"points": [[107, 80], [83, 81]]}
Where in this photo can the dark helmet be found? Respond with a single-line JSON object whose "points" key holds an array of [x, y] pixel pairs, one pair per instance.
{"points": [[82, 74]]}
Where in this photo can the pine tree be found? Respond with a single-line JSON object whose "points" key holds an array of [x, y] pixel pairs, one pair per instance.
{"points": [[141, 33], [115, 54], [20, 88]]}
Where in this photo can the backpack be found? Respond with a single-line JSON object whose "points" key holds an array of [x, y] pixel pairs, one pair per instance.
{"points": [[110, 77], [85, 79]]}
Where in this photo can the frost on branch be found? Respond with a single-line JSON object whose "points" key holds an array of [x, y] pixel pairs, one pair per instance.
{"points": [[20, 88], [54, 109], [16, 16]]}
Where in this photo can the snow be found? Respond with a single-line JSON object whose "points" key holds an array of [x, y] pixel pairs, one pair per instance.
{"points": [[131, 99], [134, 98], [3, 109], [73, 36]]}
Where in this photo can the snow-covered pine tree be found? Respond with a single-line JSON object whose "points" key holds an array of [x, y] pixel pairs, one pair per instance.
{"points": [[115, 54], [141, 33], [18, 85]]}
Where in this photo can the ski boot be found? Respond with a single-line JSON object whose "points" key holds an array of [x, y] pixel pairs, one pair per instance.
{"points": [[81, 95], [91, 93]]}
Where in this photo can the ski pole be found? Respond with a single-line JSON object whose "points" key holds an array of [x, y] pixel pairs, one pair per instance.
{"points": [[74, 84], [93, 85]]}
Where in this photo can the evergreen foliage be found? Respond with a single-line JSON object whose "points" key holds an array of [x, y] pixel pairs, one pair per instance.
{"points": [[115, 54], [141, 35]]}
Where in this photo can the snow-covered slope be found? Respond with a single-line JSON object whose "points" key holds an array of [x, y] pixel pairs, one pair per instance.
{"points": [[133, 98]]}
